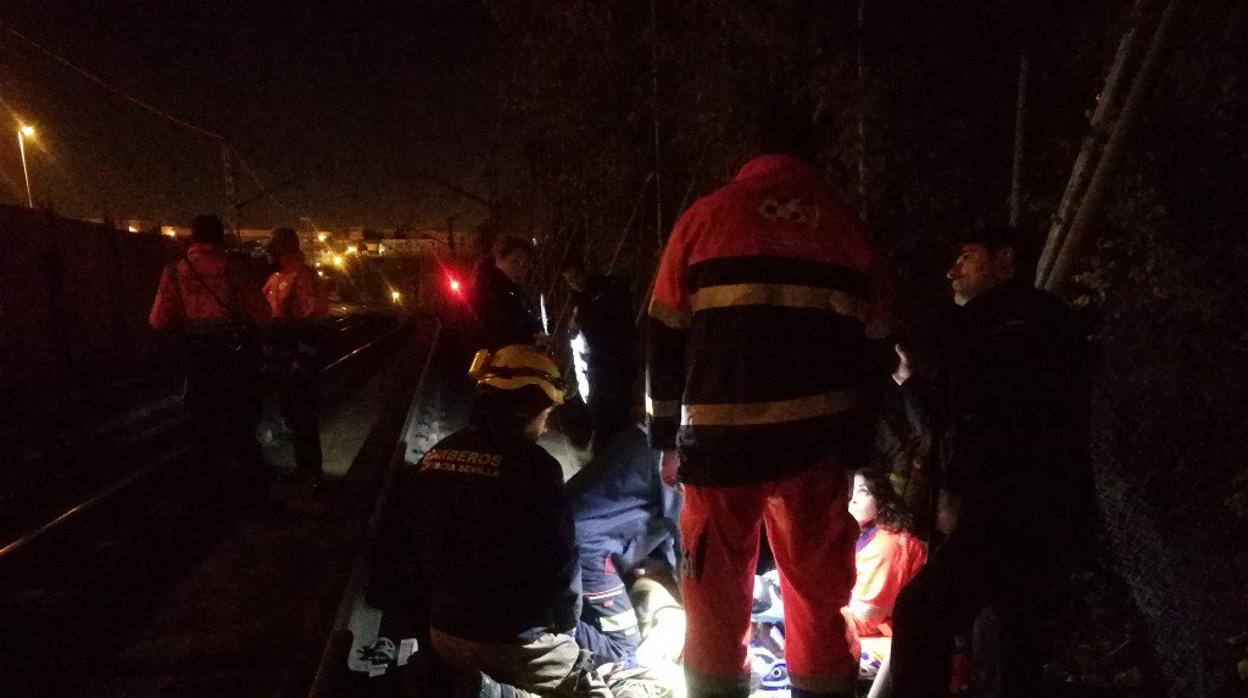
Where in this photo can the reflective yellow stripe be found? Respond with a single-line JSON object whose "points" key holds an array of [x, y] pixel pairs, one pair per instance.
{"points": [[823, 684], [784, 295], [747, 413], [618, 622], [662, 409], [673, 318]]}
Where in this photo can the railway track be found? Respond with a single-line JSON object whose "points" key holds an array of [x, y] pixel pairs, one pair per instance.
{"points": [[157, 583]]}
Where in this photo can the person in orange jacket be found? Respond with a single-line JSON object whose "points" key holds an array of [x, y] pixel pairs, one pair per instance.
{"points": [[766, 295], [296, 296], [294, 291], [207, 298], [887, 556]]}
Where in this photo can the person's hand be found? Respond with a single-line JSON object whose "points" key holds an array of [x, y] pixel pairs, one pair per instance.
{"points": [[903, 372], [668, 464]]}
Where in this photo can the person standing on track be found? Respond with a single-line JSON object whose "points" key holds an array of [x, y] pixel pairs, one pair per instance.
{"points": [[603, 315], [502, 306], [756, 372], [296, 296], [1005, 410], [208, 299]]}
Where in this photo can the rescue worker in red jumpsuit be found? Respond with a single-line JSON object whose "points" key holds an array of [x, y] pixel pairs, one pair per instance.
{"points": [[296, 297], [756, 370], [208, 299]]}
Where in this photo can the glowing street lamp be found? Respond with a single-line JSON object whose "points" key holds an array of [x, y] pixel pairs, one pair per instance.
{"points": [[24, 132], [396, 296]]}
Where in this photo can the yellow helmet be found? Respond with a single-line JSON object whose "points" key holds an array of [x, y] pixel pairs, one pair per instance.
{"points": [[515, 366]]}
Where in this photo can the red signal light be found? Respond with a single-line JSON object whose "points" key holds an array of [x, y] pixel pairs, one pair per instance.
{"points": [[453, 283]]}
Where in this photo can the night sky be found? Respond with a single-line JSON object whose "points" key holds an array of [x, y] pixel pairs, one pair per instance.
{"points": [[339, 99]]}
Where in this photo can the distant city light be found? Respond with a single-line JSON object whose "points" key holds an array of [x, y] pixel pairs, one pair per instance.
{"points": [[453, 283], [338, 260], [381, 249], [132, 229], [169, 231], [396, 296], [352, 249], [322, 237], [28, 131], [320, 273]]}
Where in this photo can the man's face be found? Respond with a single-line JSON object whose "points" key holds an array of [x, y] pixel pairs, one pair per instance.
{"points": [[977, 270], [515, 266], [576, 278]]}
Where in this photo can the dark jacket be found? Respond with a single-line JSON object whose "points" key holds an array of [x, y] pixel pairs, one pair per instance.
{"points": [[1006, 408], [619, 496], [757, 332], [503, 309], [495, 537], [604, 311]]}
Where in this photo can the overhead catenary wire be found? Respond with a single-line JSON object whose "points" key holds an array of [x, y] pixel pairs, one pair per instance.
{"points": [[112, 88], [229, 148]]}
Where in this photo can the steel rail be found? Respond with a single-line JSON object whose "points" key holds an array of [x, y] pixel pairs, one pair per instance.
{"points": [[108, 491], [335, 654]]}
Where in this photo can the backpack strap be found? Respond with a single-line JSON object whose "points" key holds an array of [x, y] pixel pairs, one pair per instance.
{"points": [[229, 309]]}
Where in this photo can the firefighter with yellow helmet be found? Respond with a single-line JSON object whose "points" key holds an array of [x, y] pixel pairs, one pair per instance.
{"points": [[496, 541]]}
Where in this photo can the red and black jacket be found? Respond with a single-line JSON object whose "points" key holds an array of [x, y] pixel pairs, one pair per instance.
{"points": [[757, 331]]}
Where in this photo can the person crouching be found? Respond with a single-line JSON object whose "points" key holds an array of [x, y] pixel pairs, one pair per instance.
{"points": [[496, 538]]}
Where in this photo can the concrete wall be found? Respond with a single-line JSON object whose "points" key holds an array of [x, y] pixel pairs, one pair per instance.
{"points": [[74, 299]]}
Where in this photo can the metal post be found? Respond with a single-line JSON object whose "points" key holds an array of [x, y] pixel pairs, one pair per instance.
{"points": [[862, 110], [658, 150], [231, 205], [1067, 255], [21, 145], [1020, 141]]}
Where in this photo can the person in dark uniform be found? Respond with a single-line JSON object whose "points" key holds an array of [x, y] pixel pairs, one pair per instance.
{"points": [[495, 537], [208, 299], [624, 514], [296, 297], [1005, 410], [503, 308], [603, 315]]}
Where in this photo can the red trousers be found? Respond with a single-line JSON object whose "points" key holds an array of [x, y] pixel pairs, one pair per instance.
{"points": [[812, 537]]}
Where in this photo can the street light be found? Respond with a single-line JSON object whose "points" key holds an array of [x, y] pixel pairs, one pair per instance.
{"points": [[24, 132]]}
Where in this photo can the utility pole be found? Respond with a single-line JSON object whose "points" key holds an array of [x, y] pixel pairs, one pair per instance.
{"points": [[658, 153], [1020, 139], [1152, 64], [450, 232], [22, 132], [231, 208], [862, 110]]}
